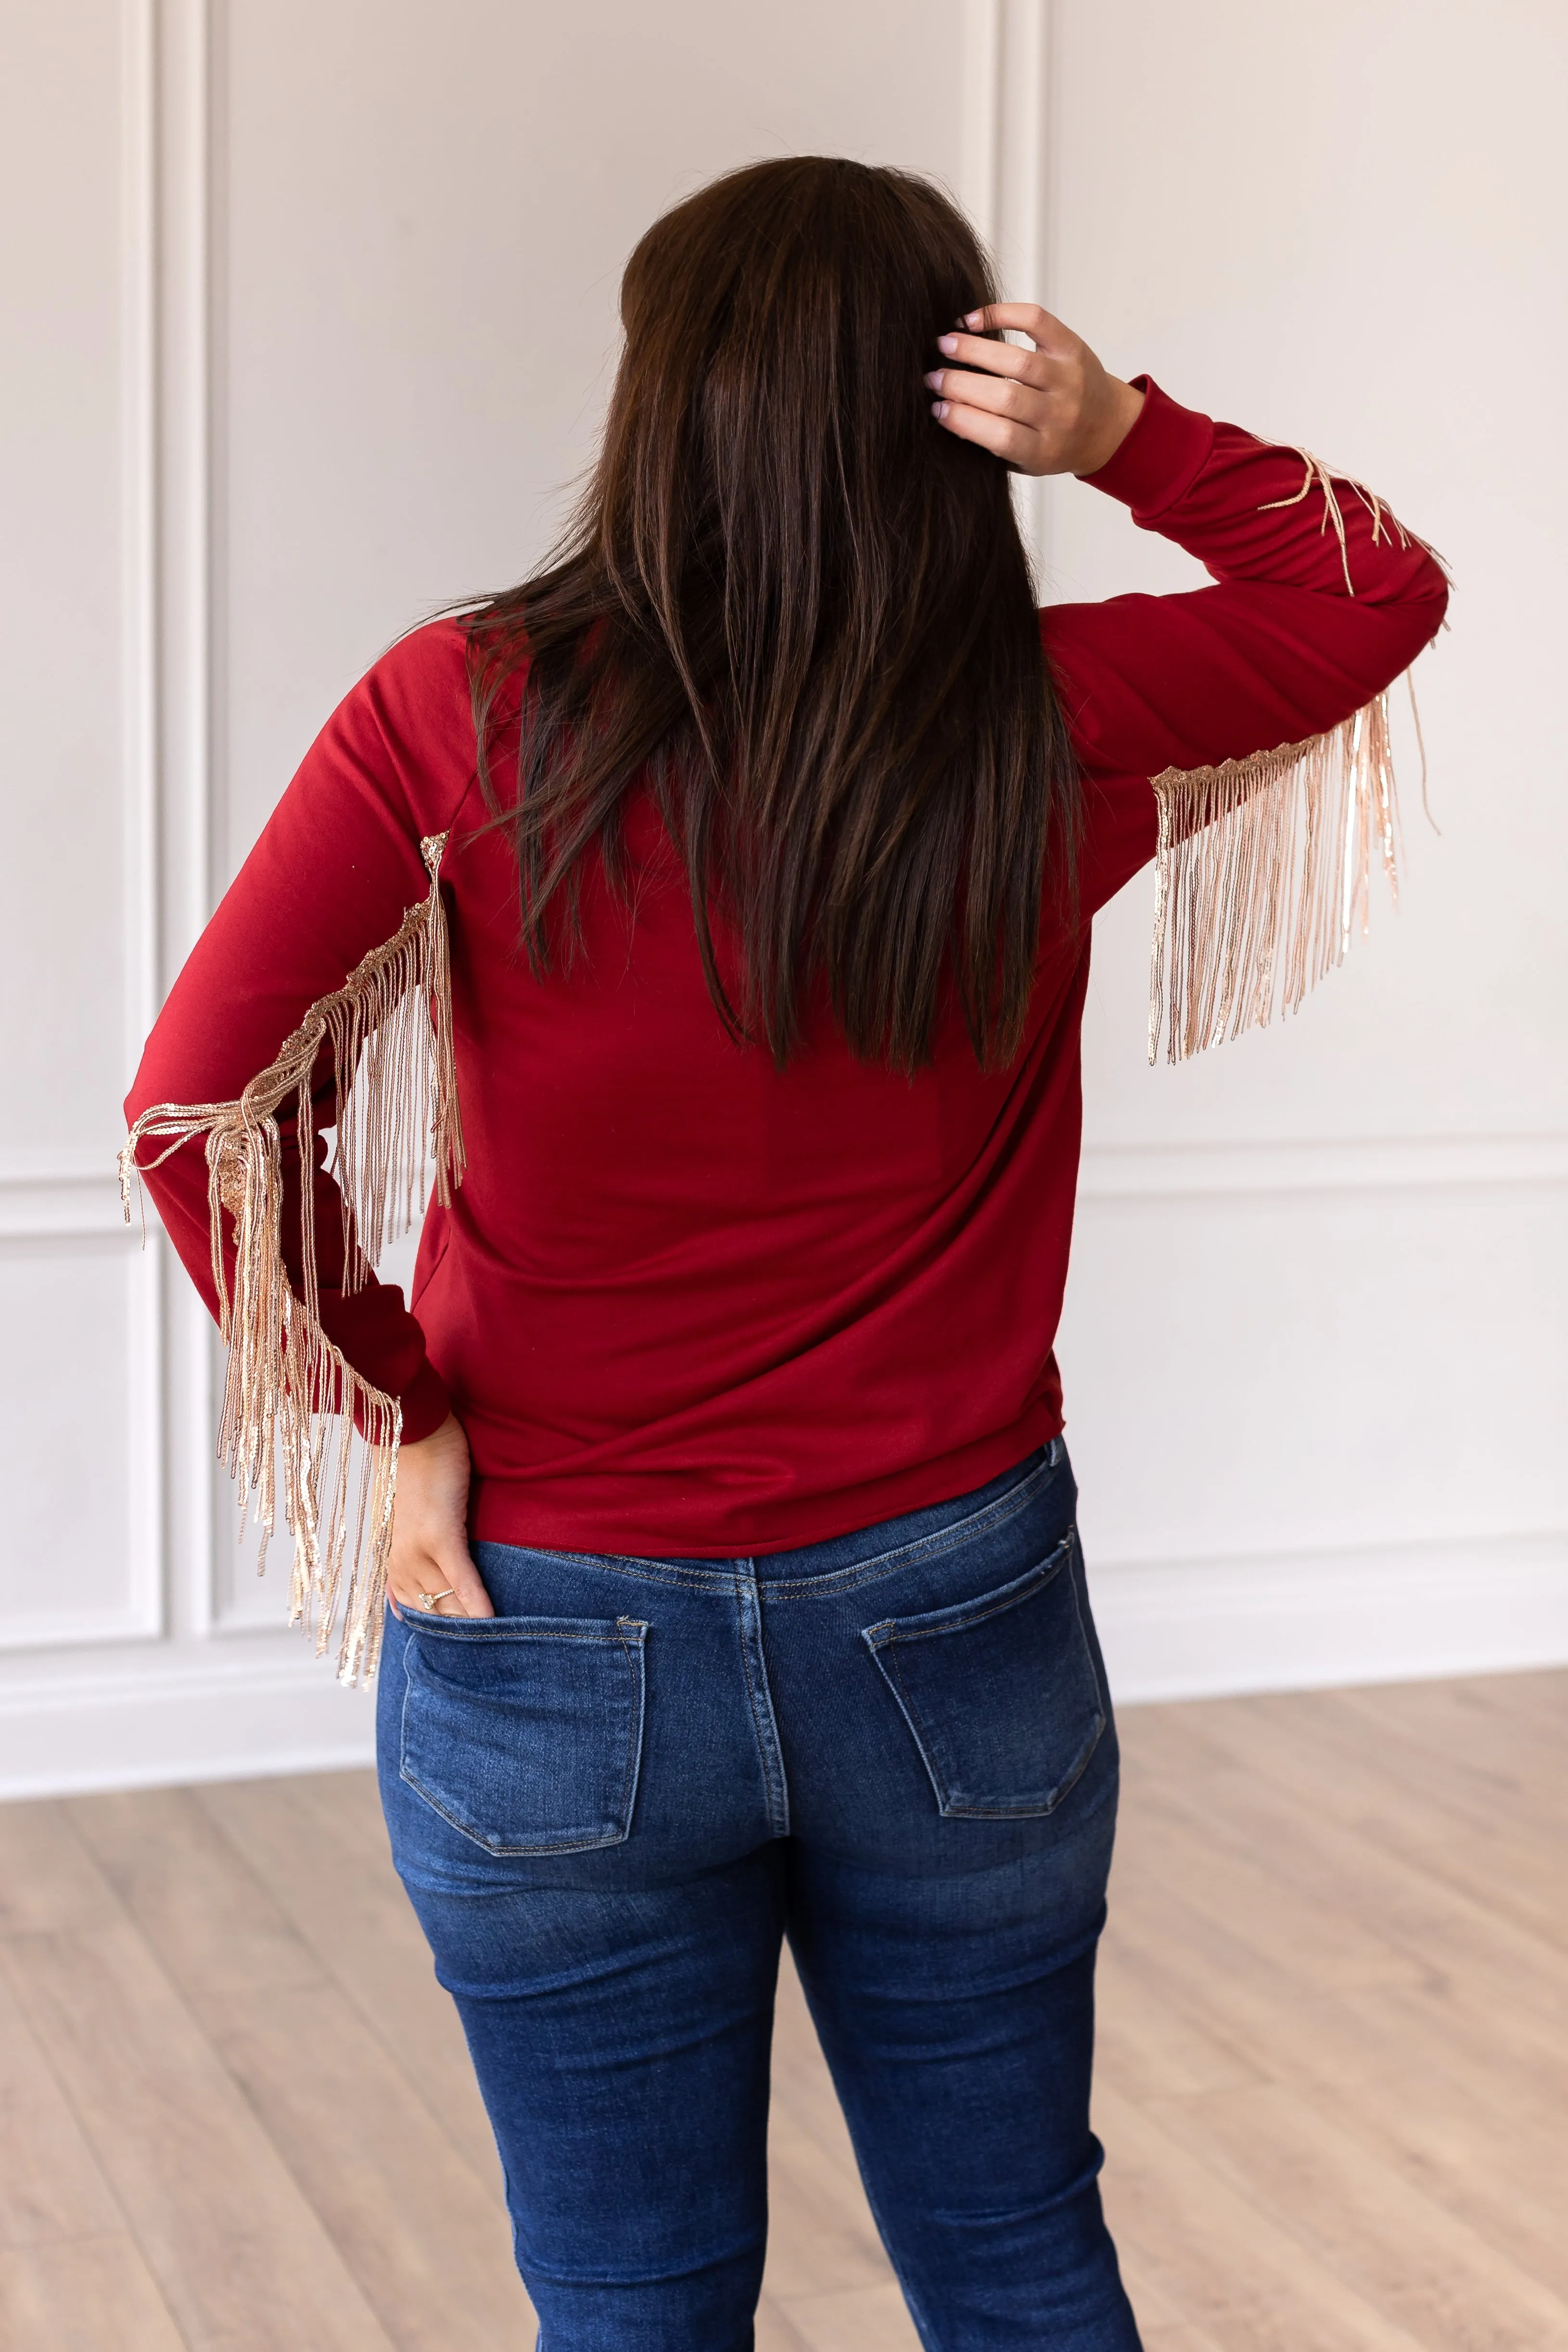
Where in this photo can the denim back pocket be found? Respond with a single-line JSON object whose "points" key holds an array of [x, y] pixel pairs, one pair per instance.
{"points": [[1000, 1693], [525, 1733]]}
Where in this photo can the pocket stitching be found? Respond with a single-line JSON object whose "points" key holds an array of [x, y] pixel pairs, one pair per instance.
{"points": [[452, 1624], [1024, 1588], [1025, 1810], [634, 1752], [885, 1655], [634, 1739]]}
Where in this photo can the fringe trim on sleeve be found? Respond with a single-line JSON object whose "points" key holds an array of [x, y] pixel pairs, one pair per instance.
{"points": [[1263, 875], [1385, 525], [289, 1391]]}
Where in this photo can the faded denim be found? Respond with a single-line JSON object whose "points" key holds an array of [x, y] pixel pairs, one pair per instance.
{"points": [[609, 1804]]}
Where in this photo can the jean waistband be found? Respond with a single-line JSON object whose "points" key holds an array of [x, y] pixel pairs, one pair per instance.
{"points": [[842, 1561], [935, 1526]]}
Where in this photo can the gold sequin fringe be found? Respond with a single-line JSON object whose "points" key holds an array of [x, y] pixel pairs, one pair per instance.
{"points": [[1263, 877], [291, 1400]]}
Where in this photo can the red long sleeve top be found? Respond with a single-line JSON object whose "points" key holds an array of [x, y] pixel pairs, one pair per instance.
{"points": [[683, 1303]]}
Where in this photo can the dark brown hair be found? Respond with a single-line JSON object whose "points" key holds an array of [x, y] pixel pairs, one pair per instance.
{"points": [[804, 612]]}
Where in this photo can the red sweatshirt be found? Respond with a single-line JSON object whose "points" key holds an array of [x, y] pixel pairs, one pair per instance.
{"points": [[682, 1303]]}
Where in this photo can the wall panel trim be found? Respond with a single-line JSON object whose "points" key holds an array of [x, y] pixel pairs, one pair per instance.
{"points": [[1394, 1612], [80, 1197], [1176, 1172]]}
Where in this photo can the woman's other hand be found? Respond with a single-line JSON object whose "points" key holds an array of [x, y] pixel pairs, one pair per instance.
{"points": [[1053, 410], [430, 1529]]}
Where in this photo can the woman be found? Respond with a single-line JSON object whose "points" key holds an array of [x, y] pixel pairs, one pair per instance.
{"points": [[735, 1587]]}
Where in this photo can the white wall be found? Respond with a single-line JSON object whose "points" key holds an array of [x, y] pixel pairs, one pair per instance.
{"points": [[1315, 1343], [309, 327]]}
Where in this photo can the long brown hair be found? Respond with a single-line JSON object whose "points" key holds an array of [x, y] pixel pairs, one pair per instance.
{"points": [[803, 612]]}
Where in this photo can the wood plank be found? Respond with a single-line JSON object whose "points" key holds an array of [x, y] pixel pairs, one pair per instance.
{"points": [[802, 2093], [49, 1884], [1162, 2326], [822, 2237], [95, 2294], [775, 2332], [1461, 1743], [1146, 2045], [429, 2249], [1471, 2132], [1536, 1698], [1208, 1975], [1368, 2035], [237, 2254], [855, 2319], [1287, 1861], [418, 2231], [190, 1890], [319, 1848], [1179, 2336], [1537, 1695], [50, 2187], [1170, 1746], [1367, 2221], [1167, 1843], [1441, 2093], [1502, 1860], [1229, 2267]]}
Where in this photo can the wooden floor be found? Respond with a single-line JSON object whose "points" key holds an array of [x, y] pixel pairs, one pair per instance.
{"points": [[1334, 2060]]}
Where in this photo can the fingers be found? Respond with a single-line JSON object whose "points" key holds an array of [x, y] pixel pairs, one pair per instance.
{"points": [[1007, 396], [1026, 407], [1023, 319], [1016, 443], [994, 358], [469, 1598], [445, 1584]]}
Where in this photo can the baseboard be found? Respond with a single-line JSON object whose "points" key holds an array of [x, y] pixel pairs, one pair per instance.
{"points": [[222, 1720], [1172, 1629], [1393, 1612]]}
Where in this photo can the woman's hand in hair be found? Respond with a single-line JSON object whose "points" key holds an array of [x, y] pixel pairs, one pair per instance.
{"points": [[430, 1529], [1053, 410]]}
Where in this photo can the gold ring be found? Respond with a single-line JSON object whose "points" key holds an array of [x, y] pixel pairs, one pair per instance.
{"points": [[428, 1599]]}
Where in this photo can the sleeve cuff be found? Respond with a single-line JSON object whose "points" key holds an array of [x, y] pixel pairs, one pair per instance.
{"points": [[426, 1405], [1160, 458]]}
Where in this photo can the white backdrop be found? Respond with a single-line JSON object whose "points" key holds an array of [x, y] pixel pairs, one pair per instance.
{"points": [[306, 328]]}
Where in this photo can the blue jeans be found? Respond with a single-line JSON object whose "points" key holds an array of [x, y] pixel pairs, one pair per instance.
{"points": [[612, 1800]]}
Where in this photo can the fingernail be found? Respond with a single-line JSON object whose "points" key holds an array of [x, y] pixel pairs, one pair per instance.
{"points": [[939, 408], [975, 319], [947, 343], [933, 380]]}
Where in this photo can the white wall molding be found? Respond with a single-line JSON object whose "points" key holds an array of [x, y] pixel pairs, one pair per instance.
{"points": [[1006, 109], [51, 1203], [138, 1615], [981, 99], [204, 1719], [78, 1198], [59, 1202], [1356, 1613], [1172, 1629], [192, 32], [1165, 1171], [139, 486]]}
